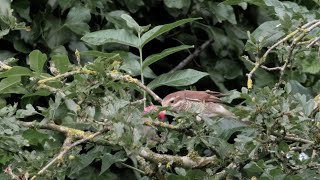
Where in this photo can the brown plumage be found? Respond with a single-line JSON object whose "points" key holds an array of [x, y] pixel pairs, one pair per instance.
{"points": [[204, 103]]}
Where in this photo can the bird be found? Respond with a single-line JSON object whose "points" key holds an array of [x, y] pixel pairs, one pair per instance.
{"points": [[205, 104]]}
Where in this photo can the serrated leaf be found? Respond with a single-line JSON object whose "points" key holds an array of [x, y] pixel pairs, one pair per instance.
{"points": [[9, 82], [120, 36], [178, 78], [37, 60], [61, 62], [156, 57], [16, 71], [159, 30], [77, 20]]}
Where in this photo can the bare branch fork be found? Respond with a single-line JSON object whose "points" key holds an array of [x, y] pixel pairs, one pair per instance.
{"points": [[299, 34]]}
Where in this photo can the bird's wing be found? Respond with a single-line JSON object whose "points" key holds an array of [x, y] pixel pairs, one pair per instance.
{"points": [[202, 96], [216, 94]]}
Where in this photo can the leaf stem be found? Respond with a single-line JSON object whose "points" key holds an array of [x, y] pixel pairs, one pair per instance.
{"points": [[141, 72]]}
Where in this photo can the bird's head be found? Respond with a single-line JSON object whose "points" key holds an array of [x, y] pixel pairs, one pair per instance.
{"points": [[173, 100]]}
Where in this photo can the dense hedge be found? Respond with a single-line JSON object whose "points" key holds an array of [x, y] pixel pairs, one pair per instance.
{"points": [[76, 78]]}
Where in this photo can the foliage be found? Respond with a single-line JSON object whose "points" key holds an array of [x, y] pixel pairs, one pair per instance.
{"points": [[76, 77]]}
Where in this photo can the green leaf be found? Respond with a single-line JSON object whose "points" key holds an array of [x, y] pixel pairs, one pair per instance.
{"points": [[178, 78], [223, 12], [61, 62], [4, 54], [29, 111], [310, 63], [56, 33], [236, 2], [16, 71], [267, 33], [228, 126], [296, 87], [120, 36], [132, 66], [35, 137], [156, 57], [109, 159], [71, 105], [253, 169], [37, 60], [159, 30], [77, 20], [131, 23], [98, 54], [4, 32], [114, 17], [40, 92], [178, 4], [9, 82]]}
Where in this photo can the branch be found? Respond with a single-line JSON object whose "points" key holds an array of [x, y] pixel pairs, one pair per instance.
{"points": [[129, 79], [161, 124], [292, 137], [67, 146], [196, 53], [67, 74], [297, 139], [182, 161]]}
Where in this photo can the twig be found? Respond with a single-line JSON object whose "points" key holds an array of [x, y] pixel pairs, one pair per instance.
{"points": [[223, 174], [196, 53], [129, 79], [246, 58], [133, 168], [290, 52], [314, 41]]}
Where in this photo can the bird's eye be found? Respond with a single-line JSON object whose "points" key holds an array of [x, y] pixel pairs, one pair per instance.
{"points": [[172, 101]]}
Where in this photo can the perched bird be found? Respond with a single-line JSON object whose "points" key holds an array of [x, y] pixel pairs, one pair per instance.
{"points": [[204, 103]]}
